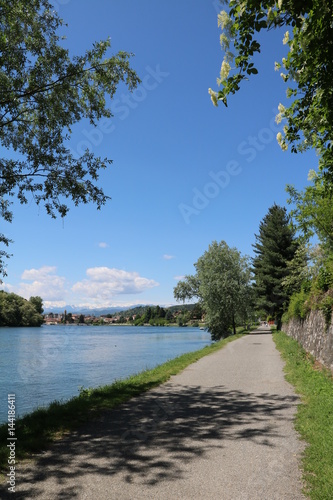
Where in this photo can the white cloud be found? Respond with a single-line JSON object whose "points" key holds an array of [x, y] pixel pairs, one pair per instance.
{"points": [[104, 282], [178, 278], [168, 257], [99, 289], [102, 244], [37, 274], [44, 282]]}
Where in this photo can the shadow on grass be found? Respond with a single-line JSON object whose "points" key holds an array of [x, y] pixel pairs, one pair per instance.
{"points": [[153, 438]]}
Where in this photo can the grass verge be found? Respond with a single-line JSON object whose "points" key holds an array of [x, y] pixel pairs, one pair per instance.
{"points": [[35, 431], [314, 419]]}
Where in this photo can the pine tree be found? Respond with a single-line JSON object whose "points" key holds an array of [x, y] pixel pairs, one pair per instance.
{"points": [[275, 246]]}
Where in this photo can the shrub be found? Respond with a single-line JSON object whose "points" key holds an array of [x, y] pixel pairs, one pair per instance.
{"points": [[298, 306], [326, 307], [325, 277]]}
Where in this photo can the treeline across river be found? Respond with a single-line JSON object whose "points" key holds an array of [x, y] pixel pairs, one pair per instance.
{"points": [[17, 311]]}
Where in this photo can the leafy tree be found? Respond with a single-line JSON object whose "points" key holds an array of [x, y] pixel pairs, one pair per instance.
{"points": [[298, 272], [307, 68], [197, 312], [169, 315], [43, 93], [159, 312], [313, 212], [17, 311], [148, 315], [37, 302], [183, 318], [69, 318], [81, 318], [221, 282], [275, 246]]}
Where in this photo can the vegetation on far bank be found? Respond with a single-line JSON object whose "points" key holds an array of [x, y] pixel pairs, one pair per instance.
{"points": [[181, 315], [37, 430], [17, 311], [314, 419]]}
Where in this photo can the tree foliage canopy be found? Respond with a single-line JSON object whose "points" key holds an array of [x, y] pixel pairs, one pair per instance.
{"points": [[222, 283], [17, 311], [43, 93], [307, 69], [313, 212]]}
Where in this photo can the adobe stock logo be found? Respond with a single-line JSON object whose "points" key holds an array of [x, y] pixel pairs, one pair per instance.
{"points": [[210, 191], [218, 181], [121, 108]]}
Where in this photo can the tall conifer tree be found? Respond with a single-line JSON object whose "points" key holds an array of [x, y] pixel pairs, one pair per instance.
{"points": [[275, 246]]}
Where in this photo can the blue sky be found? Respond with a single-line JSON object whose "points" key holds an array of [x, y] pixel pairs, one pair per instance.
{"points": [[184, 173]]}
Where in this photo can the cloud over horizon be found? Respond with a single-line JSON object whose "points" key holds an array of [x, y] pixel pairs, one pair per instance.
{"points": [[104, 282], [44, 282], [97, 290]]}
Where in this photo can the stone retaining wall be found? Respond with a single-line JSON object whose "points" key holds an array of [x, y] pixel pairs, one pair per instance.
{"points": [[314, 336]]}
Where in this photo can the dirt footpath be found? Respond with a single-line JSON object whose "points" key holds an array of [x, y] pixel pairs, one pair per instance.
{"points": [[222, 429]]}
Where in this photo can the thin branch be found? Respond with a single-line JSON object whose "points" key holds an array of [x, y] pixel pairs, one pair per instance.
{"points": [[51, 85]]}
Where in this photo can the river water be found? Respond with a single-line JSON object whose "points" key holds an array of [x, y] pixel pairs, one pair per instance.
{"points": [[40, 365]]}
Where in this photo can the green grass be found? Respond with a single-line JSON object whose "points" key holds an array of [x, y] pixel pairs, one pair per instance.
{"points": [[314, 419], [37, 430]]}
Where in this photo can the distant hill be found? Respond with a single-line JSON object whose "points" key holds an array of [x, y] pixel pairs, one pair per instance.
{"points": [[142, 309], [83, 310]]}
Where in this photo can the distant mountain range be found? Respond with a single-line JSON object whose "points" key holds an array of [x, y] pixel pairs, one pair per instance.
{"points": [[85, 310], [138, 309]]}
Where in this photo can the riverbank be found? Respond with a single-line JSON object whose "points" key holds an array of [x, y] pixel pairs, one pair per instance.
{"points": [[37, 430]]}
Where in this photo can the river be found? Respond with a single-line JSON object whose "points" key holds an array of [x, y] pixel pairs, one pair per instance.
{"points": [[41, 365]]}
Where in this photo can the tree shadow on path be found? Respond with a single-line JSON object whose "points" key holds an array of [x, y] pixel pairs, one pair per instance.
{"points": [[153, 437]]}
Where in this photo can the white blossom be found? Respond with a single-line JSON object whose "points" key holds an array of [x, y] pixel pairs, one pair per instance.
{"points": [[224, 41], [312, 175], [281, 142], [225, 70], [281, 108], [223, 19], [286, 38], [213, 96]]}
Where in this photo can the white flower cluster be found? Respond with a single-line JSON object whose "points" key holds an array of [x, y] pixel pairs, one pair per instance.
{"points": [[279, 117], [312, 175], [285, 38], [223, 20], [281, 142], [224, 41], [225, 70], [213, 96]]}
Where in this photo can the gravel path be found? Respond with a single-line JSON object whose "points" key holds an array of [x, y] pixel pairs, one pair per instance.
{"points": [[222, 429]]}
